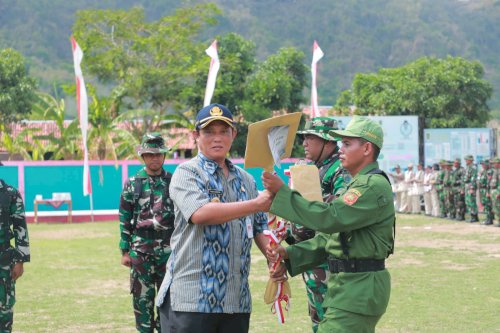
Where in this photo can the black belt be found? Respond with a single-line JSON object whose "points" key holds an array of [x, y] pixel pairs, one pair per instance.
{"points": [[355, 265], [153, 233]]}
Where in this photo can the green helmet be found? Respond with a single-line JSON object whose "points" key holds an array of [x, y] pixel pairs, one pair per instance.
{"points": [[320, 126], [152, 143]]}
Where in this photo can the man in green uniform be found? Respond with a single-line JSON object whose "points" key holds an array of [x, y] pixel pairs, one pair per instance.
{"points": [[470, 184], [443, 173], [321, 148], [12, 259], [485, 177], [146, 225], [495, 191], [356, 233], [448, 191], [458, 190]]}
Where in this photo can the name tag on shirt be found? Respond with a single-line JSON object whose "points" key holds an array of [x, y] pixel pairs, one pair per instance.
{"points": [[249, 226]]}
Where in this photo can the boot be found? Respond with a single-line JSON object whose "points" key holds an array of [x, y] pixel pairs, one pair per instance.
{"points": [[487, 222], [473, 218], [460, 218]]}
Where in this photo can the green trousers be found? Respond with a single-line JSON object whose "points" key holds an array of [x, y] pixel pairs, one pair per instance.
{"points": [[340, 321]]}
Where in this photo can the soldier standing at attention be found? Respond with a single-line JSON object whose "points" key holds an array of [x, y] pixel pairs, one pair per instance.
{"points": [[146, 224], [484, 191], [321, 148], [12, 259], [448, 190], [356, 233], [458, 190], [470, 184], [443, 173], [495, 191]]}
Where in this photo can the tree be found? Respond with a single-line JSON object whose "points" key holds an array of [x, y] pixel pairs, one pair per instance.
{"points": [[277, 84], [448, 92], [237, 58], [17, 88], [66, 145], [152, 62]]}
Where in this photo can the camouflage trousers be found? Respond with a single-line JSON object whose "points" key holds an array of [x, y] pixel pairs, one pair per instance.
{"points": [[486, 202], [495, 203], [442, 202], [7, 299], [146, 275], [449, 202], [470, 199], [316, 281], [459, 202]]}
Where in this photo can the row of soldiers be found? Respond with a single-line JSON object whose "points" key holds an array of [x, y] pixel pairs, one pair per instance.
{"points": [[450, 190], [458, 187]]}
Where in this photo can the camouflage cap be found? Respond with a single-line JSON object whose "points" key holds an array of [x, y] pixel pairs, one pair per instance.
{"points": [[485, 162], [320, 126], [449, 162], [469, 158], [443, 162], [363, 127], [152, 143], [495, 160]]}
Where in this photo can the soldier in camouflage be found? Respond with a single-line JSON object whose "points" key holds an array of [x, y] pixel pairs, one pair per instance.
{"points": [[495, 191], [458, 190], [448, 190], [146, 225], [443, 173], [12, 259], [470, 184], [321, 148], [484, 181]]}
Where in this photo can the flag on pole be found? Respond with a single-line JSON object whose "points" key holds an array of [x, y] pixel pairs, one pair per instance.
{"points": [[212, 72], [83, 113], [317, 55]]}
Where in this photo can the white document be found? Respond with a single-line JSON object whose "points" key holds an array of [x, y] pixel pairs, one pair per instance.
{"points": [[277, 138]]}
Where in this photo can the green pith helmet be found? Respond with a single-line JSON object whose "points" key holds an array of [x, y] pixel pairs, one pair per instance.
{"points": [[152, 143], [320, 126], [495, 160], [469, 158]]}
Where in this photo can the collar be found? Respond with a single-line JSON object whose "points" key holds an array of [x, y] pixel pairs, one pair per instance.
{"points": [[211, 166], [143, 174], [369, 167]]}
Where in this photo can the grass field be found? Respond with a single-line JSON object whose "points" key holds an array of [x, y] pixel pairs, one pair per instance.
{"points": [[445, 278]]}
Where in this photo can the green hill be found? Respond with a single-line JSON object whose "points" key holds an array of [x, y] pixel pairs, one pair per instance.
{"points": [[356, 35]]}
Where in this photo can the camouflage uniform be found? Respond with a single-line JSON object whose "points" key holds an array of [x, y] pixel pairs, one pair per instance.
{"points": [[448, 191], [13, 225], [333, 178], [485, 177], [146, 225], [459, 191], [495, 191], [443, 172], [470, 186]]}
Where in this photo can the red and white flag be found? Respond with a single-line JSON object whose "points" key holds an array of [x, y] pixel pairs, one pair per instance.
{"points": [[83, 113], [317, 55], [212, 72]]}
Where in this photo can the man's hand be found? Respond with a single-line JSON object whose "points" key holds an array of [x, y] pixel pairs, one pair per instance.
{"points": [[273, 251], [264, 200], [126, 260], [279, 273], [271, 182], [17, 271]]}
